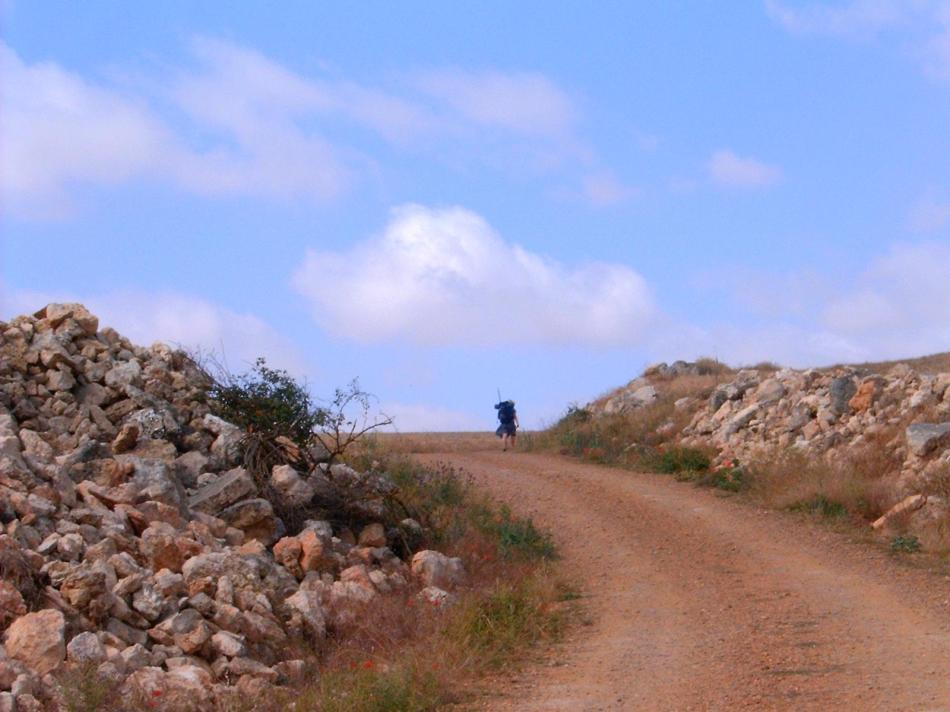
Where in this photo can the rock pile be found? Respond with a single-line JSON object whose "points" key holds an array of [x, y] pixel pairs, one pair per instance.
{"points": [[134, 542], [823, 412]]}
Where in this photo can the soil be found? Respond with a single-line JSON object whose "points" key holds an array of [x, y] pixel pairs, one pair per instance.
{"points": [[697, 601]]}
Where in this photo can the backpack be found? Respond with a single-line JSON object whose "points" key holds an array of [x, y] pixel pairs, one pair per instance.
{"points": [[506, 411]]}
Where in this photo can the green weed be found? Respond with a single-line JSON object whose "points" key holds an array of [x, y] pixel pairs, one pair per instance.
{"points": [[905, 543]]}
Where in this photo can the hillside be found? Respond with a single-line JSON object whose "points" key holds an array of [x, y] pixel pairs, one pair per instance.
{"points": [[876, 435]]}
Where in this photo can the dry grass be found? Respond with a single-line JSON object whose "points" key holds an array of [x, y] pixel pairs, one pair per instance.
{"points": [[409, 443], [858, 484], [934, 363]]}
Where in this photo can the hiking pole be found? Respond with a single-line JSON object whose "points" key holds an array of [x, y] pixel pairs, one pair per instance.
{"points": [[499, 394]]}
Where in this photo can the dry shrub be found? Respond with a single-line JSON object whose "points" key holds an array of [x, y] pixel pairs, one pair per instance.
{"points": [[83, 689], [856, 484], [709, 366]]}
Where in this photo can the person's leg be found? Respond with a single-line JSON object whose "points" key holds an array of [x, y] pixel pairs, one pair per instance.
{"points": [[504, 441]]}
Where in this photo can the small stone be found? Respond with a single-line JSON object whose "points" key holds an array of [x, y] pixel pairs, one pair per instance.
{"points": [[12, 605], [86, 648], [373, 535], [229, 644], [126, 439], [231, 487]]}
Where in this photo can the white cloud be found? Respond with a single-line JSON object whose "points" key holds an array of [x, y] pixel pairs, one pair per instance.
{"points": [[239, 123], [445, 277], [899, 305], [855, 18], [604, 189], [895, 307], [177, 319], [733, 171], [921, 26], [930, 213], [59, 130], [526, 103], [421, 418]]}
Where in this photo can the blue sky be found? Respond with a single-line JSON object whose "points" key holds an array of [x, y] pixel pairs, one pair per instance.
{"points": [[446, 198]]}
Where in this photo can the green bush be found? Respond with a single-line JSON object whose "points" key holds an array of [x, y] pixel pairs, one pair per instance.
{"points": [[728, 479], [402, 688], [819, 504], [682, 459], [266, 400], [504, 621], [905, 543], [517, 537]]}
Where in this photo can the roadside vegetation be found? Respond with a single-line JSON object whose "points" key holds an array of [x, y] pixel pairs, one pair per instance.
{"points": [[412, 655], [855, 488]]}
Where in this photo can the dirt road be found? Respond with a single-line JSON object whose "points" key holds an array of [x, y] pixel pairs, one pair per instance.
{"points": [[698, 602]]}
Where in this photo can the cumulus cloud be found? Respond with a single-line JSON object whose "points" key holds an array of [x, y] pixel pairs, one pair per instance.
{"points": [[445, 277], [177, 319], [732, 171]]}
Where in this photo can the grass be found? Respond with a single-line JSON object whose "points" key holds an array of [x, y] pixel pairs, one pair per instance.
{"points": [[517, 538], [905, 544], [84, 690], [682, 459], [497, 626], [407, 443], [820, 505], [857, 486], [399, 688], [728, 479]]}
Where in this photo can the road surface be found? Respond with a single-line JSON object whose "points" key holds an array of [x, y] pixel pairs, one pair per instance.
{"points": [[700, 602]]}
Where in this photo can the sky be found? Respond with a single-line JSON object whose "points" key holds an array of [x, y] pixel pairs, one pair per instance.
{"points": [[448, 200]]}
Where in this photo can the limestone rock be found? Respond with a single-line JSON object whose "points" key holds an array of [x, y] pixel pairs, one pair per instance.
{"points": [[923, 438], [37, 640], [294, 490], [231, 487], [12, 605], [86, 648], [373, 535], [436, 569]]}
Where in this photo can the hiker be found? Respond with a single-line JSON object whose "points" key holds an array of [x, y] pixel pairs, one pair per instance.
{"points": [[508, 417]]}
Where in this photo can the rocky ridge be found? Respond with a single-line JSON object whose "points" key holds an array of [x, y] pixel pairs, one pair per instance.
{"points": [[756, 413], [134, 542]]}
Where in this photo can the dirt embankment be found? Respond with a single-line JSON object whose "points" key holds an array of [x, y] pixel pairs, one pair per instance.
{"points": [[701, 603]]}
